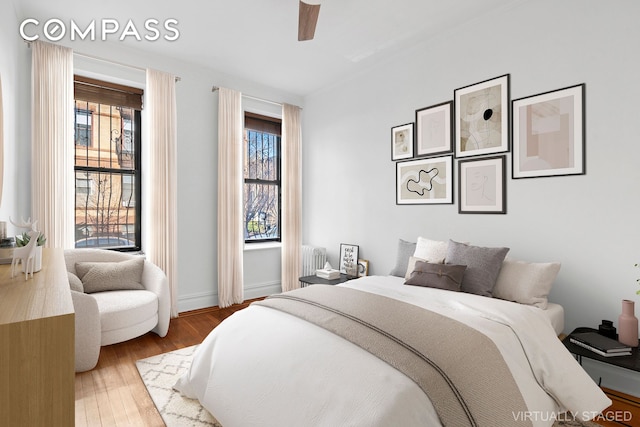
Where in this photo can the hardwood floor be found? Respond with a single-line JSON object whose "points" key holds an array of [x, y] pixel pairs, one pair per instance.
{"points": [[112, 394]]}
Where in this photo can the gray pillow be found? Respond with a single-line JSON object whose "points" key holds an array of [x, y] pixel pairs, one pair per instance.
{"points": [[74, 282], [405, 251], [111, 276], [483, 266], [441, 276]]}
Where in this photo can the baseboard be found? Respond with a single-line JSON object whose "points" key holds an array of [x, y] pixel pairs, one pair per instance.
{"points": [[197, 301], [262, 290], [200, 300]]}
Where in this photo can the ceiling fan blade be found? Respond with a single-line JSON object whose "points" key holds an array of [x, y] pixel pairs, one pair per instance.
{"points": [[307, 19]]}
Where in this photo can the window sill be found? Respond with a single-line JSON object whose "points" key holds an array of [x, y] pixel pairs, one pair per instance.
{"points": [[261, 246]]}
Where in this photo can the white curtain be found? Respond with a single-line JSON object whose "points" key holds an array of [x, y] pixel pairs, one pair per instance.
{"points": [[160, 103], [52, 183], [230, 197], [291, 197], [1, 144]]}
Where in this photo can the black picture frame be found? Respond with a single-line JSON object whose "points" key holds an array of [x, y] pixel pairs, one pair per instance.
{"points": [[482, 117], [482, 185], [434, 130], [557, 146], [402, 137], [425, 181], [348, 261]]}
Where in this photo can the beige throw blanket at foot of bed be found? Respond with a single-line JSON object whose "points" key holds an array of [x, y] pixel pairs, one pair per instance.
{"points": [[459, 368]]}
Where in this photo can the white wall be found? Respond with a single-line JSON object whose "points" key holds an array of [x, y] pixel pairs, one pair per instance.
{"points": [[197, 160], [589, 223], [586, 222], [13, 81]]}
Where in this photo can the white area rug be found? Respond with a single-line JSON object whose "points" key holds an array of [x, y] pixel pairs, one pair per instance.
{"points": [[159, 374]]}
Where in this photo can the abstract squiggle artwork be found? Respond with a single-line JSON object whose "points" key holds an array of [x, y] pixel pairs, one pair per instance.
{"points": [[424, 181]]}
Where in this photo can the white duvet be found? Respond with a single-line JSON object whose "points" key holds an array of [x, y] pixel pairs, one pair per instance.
{"points": [[262, 367]]}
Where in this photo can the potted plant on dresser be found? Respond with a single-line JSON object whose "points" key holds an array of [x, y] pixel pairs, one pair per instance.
{"points": [[23, 240]]}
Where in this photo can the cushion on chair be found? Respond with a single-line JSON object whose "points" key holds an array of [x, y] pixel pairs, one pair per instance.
{"points": [[75, 283], [110, 276], [122, 311]]}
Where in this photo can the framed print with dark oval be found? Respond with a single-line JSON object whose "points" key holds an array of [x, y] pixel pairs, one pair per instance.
{"points": [[433, 130], [482, 117], [425, 181], [402, 142], [549, 134]]}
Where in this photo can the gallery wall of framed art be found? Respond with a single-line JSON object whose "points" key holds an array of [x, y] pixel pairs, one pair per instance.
{"points": [[544, 134]]}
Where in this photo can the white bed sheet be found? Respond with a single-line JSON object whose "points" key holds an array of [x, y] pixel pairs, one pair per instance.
{"points": [[262, 367], [555, 314]]}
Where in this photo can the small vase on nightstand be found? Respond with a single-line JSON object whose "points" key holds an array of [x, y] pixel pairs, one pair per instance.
{"points": [[628, 324]]}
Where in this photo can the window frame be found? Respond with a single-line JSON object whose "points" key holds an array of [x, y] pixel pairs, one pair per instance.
{"points": [[276, 122], [117, 173]]}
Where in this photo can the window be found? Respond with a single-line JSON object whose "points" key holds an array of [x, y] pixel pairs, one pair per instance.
{"points": [[107, 165], [128, 189], [83, 185], [261, 178], [83, 127]]}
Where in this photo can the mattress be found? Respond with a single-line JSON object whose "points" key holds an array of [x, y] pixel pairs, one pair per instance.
{"points": [[555, 314], [262, 367]]}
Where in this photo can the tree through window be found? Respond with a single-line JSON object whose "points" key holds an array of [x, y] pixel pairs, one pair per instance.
{"points": [[261, 178]]}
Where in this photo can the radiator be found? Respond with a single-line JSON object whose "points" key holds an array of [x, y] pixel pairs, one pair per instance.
{"points": [[312, 259]]}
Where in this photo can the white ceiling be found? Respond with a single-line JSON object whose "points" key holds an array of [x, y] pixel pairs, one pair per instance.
{"points": [[257, 39]]}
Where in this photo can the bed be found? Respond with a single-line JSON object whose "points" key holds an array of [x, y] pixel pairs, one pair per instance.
{"points": [[265, 366]]}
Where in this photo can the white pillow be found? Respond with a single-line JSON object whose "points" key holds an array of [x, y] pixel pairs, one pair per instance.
{"points": [[432, 251], [411, 266], [526, 282]]}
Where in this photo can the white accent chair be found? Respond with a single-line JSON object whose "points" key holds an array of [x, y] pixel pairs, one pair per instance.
{"points": [[109, 317]]}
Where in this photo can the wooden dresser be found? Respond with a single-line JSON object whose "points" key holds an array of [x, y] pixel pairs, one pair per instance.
{"points": [[37, 366]]}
